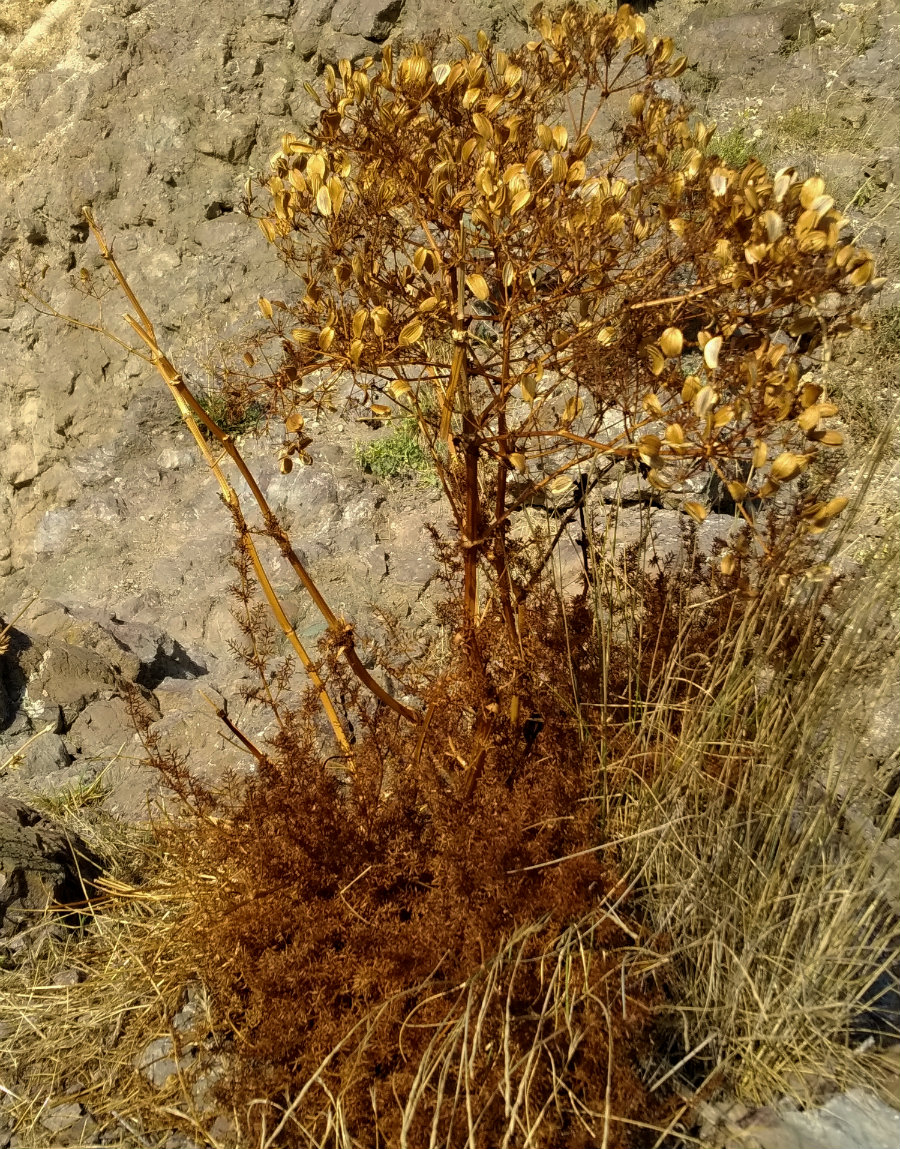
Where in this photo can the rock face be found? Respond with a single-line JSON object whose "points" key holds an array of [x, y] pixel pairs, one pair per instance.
{"points": [[40, 864], [154, 112]]}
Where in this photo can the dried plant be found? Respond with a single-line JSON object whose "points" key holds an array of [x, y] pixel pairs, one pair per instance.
{"points": [[533, 254], [420, 939]]}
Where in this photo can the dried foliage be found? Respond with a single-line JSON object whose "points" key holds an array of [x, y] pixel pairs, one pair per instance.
{"points": [[427, 948], [607, 286]]}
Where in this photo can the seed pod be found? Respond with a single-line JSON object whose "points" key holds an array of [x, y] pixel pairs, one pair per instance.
{"points": [[786, 467], [697, 511], [671, 342]]}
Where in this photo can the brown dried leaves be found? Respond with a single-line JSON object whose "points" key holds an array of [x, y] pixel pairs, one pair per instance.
{"points": [[429, 182]]}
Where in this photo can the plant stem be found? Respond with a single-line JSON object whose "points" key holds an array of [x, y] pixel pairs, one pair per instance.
{"points": [[192, 411], [459, 384]]}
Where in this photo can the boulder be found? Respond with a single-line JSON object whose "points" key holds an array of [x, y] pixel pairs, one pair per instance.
{"points": [[740, 43]]}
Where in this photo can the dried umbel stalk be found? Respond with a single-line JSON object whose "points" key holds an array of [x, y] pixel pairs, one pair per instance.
{"points": [[541, 259]]}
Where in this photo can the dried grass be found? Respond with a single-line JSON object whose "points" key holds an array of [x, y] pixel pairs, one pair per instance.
{"points": [[768, 890], [77, 1043]]}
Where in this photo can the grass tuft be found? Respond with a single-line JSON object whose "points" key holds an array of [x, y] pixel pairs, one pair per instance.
{"points": [[768, 891], [736, 148], [80, 1004], [232, 417], [400, 455]]}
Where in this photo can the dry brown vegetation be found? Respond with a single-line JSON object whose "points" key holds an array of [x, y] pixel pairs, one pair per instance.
{"points": [[462, 910]]}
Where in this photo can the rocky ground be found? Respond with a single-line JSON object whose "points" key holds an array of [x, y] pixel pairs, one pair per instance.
{"points": [[113, 542]]}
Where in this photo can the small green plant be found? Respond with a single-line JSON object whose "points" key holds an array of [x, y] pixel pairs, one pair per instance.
{"points": [[811, 128], [234, 418], [398, 456], [735, 147], [699, 84], [85, 793]]}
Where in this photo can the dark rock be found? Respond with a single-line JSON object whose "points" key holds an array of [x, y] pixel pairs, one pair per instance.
{"points": [[335, 46], [35, 757], [371, 19], [40, 864], [62, 1116], [69, 676], [735, 46], [104, 729], [309, 18]]}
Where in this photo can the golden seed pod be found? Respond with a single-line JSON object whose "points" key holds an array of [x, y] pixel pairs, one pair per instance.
{"points": [[574, 407], [576, 173], [652, 406], [519, 462], [648, 448], [704, 401], [323, 201], [520, 200], [738, 491], [655, 359], [811, 190], [483, 126], [786, 467], [478, 285], [826, 438], [411, 333], [711, 352], [697, 511], [862, 274], [671, 342], [336, 194], [381, 319], [315, 166]]}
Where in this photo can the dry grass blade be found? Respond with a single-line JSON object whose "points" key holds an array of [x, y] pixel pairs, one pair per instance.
{"points": [[770, 886], [80, 1037]]}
